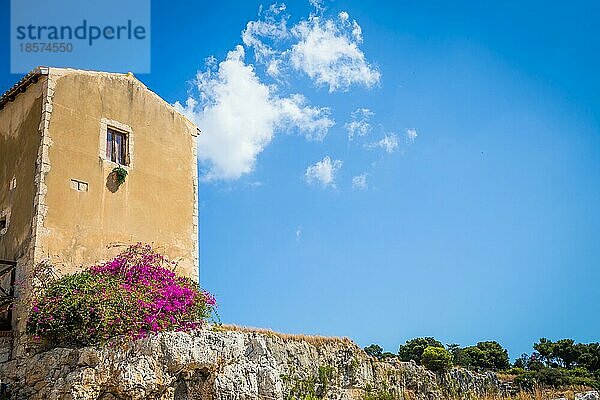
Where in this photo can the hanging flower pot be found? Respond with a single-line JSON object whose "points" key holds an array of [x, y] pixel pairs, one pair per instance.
{"points": [[119, 174]]}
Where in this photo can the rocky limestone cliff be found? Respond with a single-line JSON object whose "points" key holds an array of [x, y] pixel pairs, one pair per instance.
{"points": [[230, 365]]}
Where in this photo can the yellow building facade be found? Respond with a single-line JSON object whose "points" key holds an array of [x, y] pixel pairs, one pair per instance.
{"points": [[62, 133]]}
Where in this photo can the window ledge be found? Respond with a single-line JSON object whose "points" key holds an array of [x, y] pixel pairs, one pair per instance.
{"points": [[113, 164]]}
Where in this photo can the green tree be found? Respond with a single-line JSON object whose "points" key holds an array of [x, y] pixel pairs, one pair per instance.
{"points": [[589, 356], [545, 348], [436, 359], [488, 355], [535, 362], [413, 349], [561, 363], [566, 352], [456, 352], [522, 361], [470, 357], [374, 351], [494, 355]]}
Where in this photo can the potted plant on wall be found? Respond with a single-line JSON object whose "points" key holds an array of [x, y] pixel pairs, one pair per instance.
{"points": [[119, 174]]}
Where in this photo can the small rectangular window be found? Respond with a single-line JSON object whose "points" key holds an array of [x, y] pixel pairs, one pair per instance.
{"points": [[116, 147], [2, 223]]}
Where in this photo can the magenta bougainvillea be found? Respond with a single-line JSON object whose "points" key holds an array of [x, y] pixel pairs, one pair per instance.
{"points": [[132, 295]]}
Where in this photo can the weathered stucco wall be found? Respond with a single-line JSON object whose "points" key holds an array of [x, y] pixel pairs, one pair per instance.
{"points": [[157, 202], [19, 143]]}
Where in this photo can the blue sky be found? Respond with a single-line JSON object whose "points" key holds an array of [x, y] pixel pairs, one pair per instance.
{"points": [[462, 205]]}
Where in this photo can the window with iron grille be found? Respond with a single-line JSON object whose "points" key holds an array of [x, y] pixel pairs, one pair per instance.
{"points": [[117, 147]]}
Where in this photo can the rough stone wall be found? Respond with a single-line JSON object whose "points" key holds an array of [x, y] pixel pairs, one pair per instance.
{"points": [[229, 365], [6, 342]]}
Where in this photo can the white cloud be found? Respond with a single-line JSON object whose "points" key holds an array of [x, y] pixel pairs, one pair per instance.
{"points": [[356, 31], [411, 135], [312, 121], [239, 113], [359, 124], [389, 143], [298, 233], [318, 6], [323, 171], [239, 116], [327, 51], [274, 68], [360, 182], [272, 26]]}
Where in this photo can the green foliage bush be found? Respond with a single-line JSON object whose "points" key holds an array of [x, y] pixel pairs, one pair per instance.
{"points": [[555, 364], [484, 355], [436, 359], [311, 388], [525, 379], [132, 295], [544, 348], [380, 395], [413, 349], [374, 351], [552, 377], [559, 363], [566, 353], [470, 356]]}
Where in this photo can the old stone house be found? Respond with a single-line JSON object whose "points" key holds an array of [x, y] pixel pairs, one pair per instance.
{"points": [[62, 133]]}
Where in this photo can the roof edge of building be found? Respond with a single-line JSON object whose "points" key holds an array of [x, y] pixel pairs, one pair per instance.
{"points": [[21, 86], [34, 75]]}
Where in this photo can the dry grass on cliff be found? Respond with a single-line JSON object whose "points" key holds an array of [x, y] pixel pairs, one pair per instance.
{"points": [[314, 340], [536, 394], [549, 394]]}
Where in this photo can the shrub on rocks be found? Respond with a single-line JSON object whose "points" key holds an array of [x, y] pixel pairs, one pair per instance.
{"points": [[413, 349], [132, 295], [436, 359]]}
